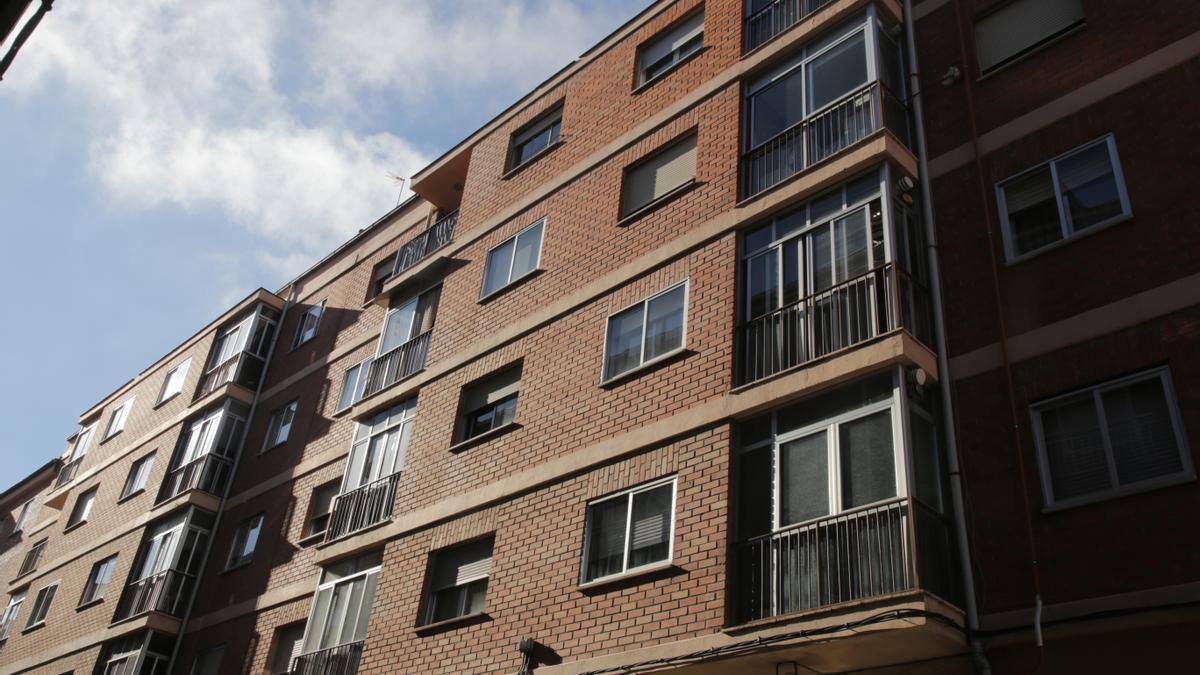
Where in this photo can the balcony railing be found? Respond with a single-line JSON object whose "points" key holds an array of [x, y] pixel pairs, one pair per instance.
{"points": [[869, 305], [67, 473], [209, 473], [812, 140], [362, 507], [868, 552], [163, 592], [340, 660], [401, 362], [777, 17], [244, 368], [420, 246]]}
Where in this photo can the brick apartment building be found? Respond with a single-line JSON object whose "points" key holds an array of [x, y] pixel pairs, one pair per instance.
{"points": [[767, 337]]}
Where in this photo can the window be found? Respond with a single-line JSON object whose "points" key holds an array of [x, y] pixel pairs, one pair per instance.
{"points": [[380, 273], [658, 175], [513, 259], [280, 425], [629, 530], [245, 540], [319, 508], [342, 603], [534, 138], [97, 582], [1068, 196], [208, 662], [83, 507], [459, 581], [11, 612], [116, 421], [30, 562], [20, 515], [80, 447], [490, 403], [41, 606], [1118, 437], [380, 445], [288, 641], [407, 320], [669, 48], [138, 476], [1018, 28], [310, 320], [354, 381], [648, 331], [173, 382]]}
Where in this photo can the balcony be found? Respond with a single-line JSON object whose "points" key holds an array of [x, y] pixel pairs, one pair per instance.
{"points": [[165, 592], [340, 660], [209, 473], [243, 368], [402, 362], [871, 552], [362, 507], [867, 306], [420, 246], [67, 473], [777, 17], [822, 134]]}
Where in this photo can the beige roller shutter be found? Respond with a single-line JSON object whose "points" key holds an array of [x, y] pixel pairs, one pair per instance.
{"points": [[659, 174]]}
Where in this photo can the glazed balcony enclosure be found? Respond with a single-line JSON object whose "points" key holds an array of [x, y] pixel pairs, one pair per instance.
{"points": [[203, 457], [841, 499], [167, 563], [834, 92], [239, 351], [337, 621]]}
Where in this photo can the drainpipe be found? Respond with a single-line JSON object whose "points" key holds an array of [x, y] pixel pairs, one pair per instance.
{"points": [[939, 324], [237, 458]]}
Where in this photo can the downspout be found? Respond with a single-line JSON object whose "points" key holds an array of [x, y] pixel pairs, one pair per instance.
{"points": [[262, 379], [939, 325]]}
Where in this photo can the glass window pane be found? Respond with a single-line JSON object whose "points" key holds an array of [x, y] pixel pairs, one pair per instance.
{"points": [[804, 479], [837, 72], [762, 282], [606, 538], [927, 464], [1074, 449], [650, 529], [445, 603], [623, 345], [791, 272], [1141, 432], [822, 259], [317, 620], [397, 327], [498, 263], [529, 244], [776, 108], [664, 323], [1032, 211], [850, 237], [349, 382], [1089, 187], [476, 596], [755, 507], [868, 464]]}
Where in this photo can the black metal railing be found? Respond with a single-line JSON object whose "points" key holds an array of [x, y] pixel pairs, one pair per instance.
{"points": [[856, 310], [362, 507], [163, 592], [209, 473], [820, 135], [868, 552], [244, 368], [420, 246], [777, 17], [400, 362], [67, 473], [339, 660]]}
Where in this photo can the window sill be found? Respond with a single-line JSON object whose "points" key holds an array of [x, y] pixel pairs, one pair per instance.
{"points": [[30, 629], [658, 203], [89, 604], [110, 437], [1110, 495], [166, 400], [272, 447], [451, 624], [314, 538], [1098, 227], [74, 526], [484, 299], [532, 160], [629, 575], [653, 364], [663, 75], [485, 436], [237, 566], [124, 498]]}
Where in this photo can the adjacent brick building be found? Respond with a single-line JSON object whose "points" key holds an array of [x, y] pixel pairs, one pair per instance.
{"points": [[743, 344]]}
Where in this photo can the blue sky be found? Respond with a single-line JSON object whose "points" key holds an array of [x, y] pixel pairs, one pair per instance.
{"points": [[159, 159]]}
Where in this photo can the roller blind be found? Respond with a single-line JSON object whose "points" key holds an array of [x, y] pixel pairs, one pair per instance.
{"points": [[491, 390], [673, 39], [1022, 25], [463, 564], [656, 176]]}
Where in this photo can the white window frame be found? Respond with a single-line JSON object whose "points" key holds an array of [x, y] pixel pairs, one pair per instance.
{"points": [[35, 552], [21, 515], [1068, 232], [241, 551], [87, 510], [83, 439], [676, 58], [1187, 473], [139, 475], [347, 580], [643, 362], [537, 261], [42, 604], [627, 494], [12, 611], [364, 440], [277, 431], [431, 599], [93, 591], [335, 489], [306, 331], [118, 417], [173, 381], [358, 386]]}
